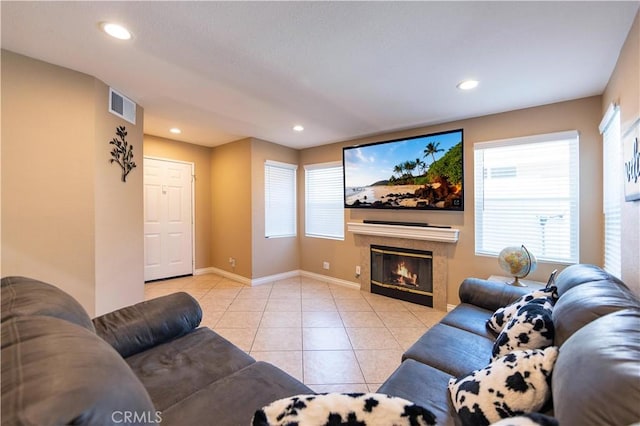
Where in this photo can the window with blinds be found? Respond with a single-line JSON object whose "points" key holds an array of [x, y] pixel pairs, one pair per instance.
{"points": [[280, 199], [324, 203], [613, 183], [526, 192]]}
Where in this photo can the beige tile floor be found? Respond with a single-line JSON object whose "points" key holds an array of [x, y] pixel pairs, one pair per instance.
{"points": [[332, 338]]}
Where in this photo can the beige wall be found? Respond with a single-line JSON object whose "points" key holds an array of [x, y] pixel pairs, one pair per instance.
{"points": [[228, 222], [271, 256], [119, 242], [222, 176], [200, 156], [48, 125], [231, 207], [67, 218], [582, 115], [343, 256], [624, 89]]}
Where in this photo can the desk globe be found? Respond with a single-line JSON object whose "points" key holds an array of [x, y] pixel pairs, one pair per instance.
{"points": [[517, 262]]}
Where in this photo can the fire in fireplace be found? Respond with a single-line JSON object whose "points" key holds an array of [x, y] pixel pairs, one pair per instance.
{"points": [[405, 274]]}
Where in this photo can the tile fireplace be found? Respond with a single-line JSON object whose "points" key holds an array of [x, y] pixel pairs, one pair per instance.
{"points": [[436, 240], [401, 273]]}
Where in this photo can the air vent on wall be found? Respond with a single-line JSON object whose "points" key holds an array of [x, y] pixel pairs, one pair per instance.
{"points": [[122, 106]]}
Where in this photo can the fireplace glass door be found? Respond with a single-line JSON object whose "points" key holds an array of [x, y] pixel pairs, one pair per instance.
{"points": [[404, 274]]}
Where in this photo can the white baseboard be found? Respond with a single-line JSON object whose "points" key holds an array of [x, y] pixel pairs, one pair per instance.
{"points": [[276, 277], [226, 274], [331, 280], [203, 271]]}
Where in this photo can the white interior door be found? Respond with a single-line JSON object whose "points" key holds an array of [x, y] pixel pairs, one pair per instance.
{"points": [[168, 224]]}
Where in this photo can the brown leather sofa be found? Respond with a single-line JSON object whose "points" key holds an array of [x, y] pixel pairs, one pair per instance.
{"points": [[150, 362], [596, 379]]}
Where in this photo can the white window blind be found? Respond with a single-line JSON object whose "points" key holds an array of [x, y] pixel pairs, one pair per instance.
{"points": [[612, 189], [526, 192], [280, 199], [324, 201]]}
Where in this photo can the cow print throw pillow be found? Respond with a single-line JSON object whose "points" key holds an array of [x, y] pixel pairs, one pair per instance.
{"points": [[513, 385], [530, 328], [343, 409], [502, 316]]}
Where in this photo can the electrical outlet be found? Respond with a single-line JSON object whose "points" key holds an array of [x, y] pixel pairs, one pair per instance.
{"points": [[232, 262], [325, 265], [358, 270]]}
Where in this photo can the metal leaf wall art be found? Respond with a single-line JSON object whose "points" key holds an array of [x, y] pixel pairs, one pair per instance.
{"points": [[122, 152]]}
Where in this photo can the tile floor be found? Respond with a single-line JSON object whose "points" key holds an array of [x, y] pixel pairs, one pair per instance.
{"points": [[332, 338]]}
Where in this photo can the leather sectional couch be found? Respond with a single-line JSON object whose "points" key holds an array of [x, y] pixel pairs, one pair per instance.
{"points": [[596, 378], [151, 363]]}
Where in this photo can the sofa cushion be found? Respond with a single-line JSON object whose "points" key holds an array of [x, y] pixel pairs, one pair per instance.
{"points": [[470, 318], [530, 328], [343, 408], [25, 296], [55, 372], [174, 370], [425, 386], [576, 275], [591, 300], [489, 295], [502, 316], [514, 384], [237, 395], [451, 350], [146, 324], [596, 380]]}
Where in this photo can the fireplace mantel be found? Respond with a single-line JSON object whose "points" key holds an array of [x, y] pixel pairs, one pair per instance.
{"points": [[445, 235]]}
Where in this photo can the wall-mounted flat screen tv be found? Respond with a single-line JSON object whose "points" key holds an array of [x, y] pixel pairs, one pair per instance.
{"points": [[421, 172]]}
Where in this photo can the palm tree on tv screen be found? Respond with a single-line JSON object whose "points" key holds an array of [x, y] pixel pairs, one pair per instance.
{"points": [[398, 169], [432, 149], [421, 165]]}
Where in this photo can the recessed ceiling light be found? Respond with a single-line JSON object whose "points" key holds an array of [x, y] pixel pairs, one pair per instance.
{"points": [[115, 30], [298, 128], [467, 84], [175, 130]]}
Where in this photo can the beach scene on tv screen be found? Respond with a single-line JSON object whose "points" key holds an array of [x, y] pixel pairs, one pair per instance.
{"points": [[422, 172]]}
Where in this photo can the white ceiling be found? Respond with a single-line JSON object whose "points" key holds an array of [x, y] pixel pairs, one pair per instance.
{"points": [[222, 71]]}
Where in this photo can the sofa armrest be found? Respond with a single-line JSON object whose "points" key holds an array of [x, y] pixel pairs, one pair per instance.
{"points": [[489, 295], [138, 327]]}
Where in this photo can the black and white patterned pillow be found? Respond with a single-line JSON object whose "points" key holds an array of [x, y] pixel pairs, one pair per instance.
{"points": [[503, 315], [530, 328], [512, 385], [343, 409]]}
